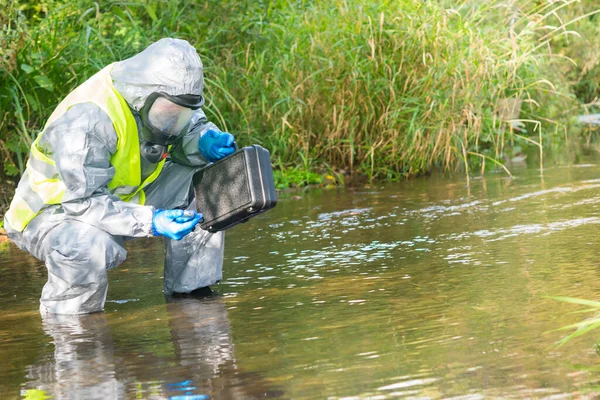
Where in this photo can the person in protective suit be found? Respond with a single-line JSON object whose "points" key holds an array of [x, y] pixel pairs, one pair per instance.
{"points": [[98, 173]]}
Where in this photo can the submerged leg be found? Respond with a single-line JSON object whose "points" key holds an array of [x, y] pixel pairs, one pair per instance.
{"points": [[195, 261], [78, 257]]}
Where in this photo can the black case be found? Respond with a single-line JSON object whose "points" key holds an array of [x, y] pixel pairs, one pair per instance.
{"points": [[235, 189]]}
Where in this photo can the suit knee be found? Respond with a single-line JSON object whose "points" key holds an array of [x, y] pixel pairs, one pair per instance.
{"points": [[81, 243]]}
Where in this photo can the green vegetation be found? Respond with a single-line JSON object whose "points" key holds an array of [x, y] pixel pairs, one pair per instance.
{"points": [[584, 326], [382, 90]]}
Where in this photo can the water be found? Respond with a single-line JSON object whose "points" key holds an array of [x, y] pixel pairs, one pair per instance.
{"points": [[424, 289]]}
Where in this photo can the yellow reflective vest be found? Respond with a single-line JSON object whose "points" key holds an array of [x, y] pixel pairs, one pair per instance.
{"points": [[41, 184]]}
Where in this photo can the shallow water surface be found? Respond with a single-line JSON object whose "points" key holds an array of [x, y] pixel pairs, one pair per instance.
{"points": [[424, 289]]}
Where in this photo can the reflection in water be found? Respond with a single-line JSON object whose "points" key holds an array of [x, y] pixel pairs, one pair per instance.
{"points": [[86, 363], [204, 350], [83, 365], [201, 337]]}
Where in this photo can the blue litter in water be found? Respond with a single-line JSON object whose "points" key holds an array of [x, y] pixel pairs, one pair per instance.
{"points": [[593, 119], [183, 383], [187, 388]]}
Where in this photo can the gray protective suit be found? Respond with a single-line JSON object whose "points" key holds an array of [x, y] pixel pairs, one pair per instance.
{"points": [[82, 238]]}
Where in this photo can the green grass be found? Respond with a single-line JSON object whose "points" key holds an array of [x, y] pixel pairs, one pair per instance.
{"points": [[383, 90], [584, 326]]}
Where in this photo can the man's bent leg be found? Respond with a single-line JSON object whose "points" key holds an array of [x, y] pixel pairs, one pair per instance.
{"points": [[78, 257], [195, 261]]}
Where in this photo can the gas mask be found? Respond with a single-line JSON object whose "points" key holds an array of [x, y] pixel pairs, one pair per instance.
{"points": [[164, 119]]}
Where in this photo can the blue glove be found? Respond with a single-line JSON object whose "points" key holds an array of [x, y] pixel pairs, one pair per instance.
{"points": [[215, 145], [174, 224]]}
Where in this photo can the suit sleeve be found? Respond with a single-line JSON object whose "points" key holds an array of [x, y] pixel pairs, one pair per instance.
{"points": [[186, 151], [82, 142]]}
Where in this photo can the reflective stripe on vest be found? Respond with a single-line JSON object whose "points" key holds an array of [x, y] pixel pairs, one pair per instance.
{"points": [[41, 185]]}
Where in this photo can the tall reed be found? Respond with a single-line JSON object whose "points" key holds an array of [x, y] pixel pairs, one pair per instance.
{"points": [[380, 89], [389, 89]]}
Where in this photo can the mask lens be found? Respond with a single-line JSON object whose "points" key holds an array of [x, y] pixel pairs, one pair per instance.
{"points": [[169, 117]]}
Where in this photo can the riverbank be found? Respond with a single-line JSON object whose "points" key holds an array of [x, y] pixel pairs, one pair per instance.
{"points": [[295, 182], [384, 91]]}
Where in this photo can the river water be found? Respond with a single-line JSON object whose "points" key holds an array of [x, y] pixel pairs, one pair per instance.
{"points": [[422, 289]]}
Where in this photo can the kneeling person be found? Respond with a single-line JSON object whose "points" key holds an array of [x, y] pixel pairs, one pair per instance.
{"points": [[98, 173]]}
